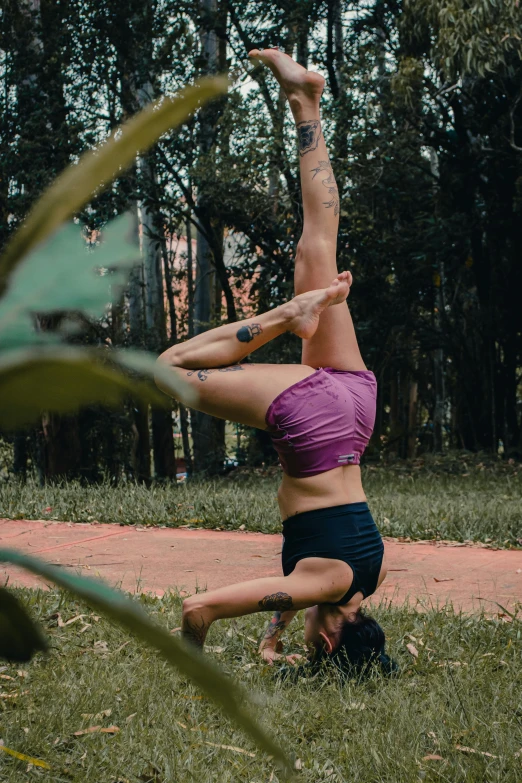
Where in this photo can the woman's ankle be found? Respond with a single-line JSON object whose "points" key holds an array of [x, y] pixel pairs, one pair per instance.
{"points": [[304, 111]]}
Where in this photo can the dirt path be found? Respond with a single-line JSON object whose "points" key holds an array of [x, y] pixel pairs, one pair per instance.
{"points": [[158, 559]]}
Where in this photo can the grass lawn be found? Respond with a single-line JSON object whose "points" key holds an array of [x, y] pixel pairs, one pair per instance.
{"points": [[460, 497], [453, 714]]}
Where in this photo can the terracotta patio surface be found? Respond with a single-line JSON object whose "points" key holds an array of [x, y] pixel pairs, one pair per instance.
{"points": [[158, 559]]}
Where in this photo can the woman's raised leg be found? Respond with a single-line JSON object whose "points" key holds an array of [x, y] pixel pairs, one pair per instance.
{"points": [[334, 344], [243, 392]]}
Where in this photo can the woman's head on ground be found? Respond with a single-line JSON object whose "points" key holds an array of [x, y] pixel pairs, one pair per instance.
{"points": [[352, 640]]}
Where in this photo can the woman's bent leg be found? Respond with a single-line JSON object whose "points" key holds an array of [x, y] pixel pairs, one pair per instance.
{"points": [[242, 393], [334, 344]]}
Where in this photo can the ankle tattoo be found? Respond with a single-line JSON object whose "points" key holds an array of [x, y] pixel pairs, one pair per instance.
{"points": [[329, 183], [308, 135]]}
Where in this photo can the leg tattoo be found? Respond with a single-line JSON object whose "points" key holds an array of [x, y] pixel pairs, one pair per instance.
{"points": [[247, 333], [308, 135], [204, 373], [277, 601], [329, 183]]}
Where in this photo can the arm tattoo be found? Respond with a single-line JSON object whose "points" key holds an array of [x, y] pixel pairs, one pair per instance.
{"points": [[329, 183], [275, 627], [195, 632], [277, 601], [203, 374], [308, 135], [247, 333]]}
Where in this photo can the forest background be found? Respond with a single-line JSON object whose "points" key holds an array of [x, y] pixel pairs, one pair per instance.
{"points": [[423, 117]]}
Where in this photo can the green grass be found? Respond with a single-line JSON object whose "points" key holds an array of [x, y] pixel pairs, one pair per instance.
{"points": [[465, 689], [459, 498]]}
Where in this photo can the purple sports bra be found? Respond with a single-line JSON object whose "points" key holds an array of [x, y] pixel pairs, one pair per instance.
{"points": [[323, 421]]}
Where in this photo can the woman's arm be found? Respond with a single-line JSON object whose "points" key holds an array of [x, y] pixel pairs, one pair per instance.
{"points": [[305, 586], [269, 643]]}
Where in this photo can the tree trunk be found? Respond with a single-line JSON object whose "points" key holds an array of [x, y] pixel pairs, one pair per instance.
{"points": [[394, 426], [153, 230], [208, 433], [43, 117], [20, 455], [412, 419], [140, 411]]}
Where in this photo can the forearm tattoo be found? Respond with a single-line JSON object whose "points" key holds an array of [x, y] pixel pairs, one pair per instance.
{"points": [[247, 333], [204, 373], [275, 627], [308, 135], [329, 183], [194, 632], [277, 601]]}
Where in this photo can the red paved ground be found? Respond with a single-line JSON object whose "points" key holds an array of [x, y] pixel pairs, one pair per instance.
{"points": [[158, 559]]}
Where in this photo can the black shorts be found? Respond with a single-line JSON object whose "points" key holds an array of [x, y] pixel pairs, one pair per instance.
{"points": [[346, 533]]}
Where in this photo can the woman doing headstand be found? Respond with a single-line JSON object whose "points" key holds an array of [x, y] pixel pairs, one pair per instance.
{"points": [[320, 416]]}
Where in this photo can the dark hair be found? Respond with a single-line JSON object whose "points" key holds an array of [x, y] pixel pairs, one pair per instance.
{"points": [[360, 644]]}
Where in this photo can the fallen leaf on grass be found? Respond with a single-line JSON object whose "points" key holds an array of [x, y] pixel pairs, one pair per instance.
{"points": [[464, 749], [442, 580], [120, 648], [298, 764], [97, 715], [230, 747], [432, 757], [23, 757], [97, 730], [412, 650], [6, 677], [73, 619], [130, 717]]}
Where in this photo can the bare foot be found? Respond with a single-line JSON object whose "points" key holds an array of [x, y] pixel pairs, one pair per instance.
{"points": [[307, 307], [346, 277], [295, 80]]}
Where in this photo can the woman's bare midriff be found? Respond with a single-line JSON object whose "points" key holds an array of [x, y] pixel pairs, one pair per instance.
{"points": [[333, 488]]}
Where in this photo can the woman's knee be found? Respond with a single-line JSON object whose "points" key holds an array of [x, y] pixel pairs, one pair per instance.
{"points": [[317, 251]]}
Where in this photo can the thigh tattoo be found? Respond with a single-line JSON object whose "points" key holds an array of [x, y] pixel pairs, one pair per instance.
{"points": [[204, 373]]}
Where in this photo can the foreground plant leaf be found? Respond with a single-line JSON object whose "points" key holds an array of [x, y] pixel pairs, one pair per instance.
{"points": [[20, 637], [191, 663], [76, 185], [62, 274], [62, 378]]}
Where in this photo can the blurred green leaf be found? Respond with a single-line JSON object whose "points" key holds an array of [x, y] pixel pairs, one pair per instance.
{"points": [[20, 637], [63, 274], [142, 362], [233, 700], [62, 378], [76, 185]]}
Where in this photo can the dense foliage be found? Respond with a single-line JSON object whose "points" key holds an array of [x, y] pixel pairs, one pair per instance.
{"points": [[423, 114]]}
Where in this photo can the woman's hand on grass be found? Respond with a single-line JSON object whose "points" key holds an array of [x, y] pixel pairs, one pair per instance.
{"points": [[269, 655]]}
